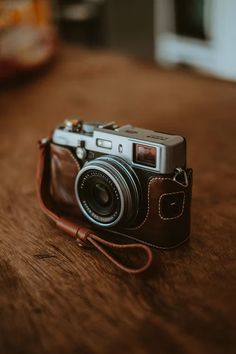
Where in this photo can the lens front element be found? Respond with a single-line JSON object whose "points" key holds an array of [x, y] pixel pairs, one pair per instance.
{"points": [[101, 194], [99, 197], [107, 191]]}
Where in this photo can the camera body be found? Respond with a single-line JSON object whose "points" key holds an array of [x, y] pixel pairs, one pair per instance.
{"points": [[126, 180]]}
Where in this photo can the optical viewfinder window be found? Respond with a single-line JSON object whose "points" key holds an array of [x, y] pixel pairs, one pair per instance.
{"points": [[145, 155]]}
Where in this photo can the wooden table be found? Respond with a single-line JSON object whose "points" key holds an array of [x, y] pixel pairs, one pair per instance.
{"points": [[58, 298]]}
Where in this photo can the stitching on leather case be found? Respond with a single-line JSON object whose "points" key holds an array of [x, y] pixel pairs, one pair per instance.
{"points": [[74, 158], [174, 217], [148, 209]]}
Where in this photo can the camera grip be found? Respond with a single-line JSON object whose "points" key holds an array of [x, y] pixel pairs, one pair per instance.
{"points": [[168, 218]]}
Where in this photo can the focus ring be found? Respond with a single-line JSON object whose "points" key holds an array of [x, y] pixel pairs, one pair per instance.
{"points": [[118, 184]]}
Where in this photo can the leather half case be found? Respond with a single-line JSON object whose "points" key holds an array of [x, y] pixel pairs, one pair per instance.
{"points": [[166, 222]]}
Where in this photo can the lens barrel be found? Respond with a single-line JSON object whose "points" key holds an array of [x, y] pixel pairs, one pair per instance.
{"points": [[108, 191]]}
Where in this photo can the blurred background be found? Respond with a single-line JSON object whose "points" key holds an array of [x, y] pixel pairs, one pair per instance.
{"points": [[166, 65], [200, 34]]}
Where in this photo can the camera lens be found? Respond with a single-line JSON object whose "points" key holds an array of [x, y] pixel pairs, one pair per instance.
{"points": [[108, 191], [101, 194]]}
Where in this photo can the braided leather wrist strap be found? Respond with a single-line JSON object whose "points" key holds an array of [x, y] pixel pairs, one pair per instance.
{"points": [[83, 235]]}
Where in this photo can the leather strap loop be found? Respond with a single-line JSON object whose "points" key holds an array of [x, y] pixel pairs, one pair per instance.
{"points": [[83, 235], [96, 241]]}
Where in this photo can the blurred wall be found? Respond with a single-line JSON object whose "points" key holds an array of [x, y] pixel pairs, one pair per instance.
{"points": [[207, 44]]}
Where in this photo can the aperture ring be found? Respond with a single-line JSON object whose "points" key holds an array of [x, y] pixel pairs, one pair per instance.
{"points": [[119, 181]]}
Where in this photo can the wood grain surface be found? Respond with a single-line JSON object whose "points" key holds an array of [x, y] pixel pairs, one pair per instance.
{"points": [[58, 298]]}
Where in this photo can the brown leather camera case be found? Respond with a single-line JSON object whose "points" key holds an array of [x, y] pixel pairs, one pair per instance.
{"points": [[166, 221]]}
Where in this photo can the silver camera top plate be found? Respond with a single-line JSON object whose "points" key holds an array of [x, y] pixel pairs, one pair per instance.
{"points": [[142, 148]]}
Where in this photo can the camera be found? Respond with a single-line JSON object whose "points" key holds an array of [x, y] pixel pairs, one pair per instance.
{"points": [[125, 180]]}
